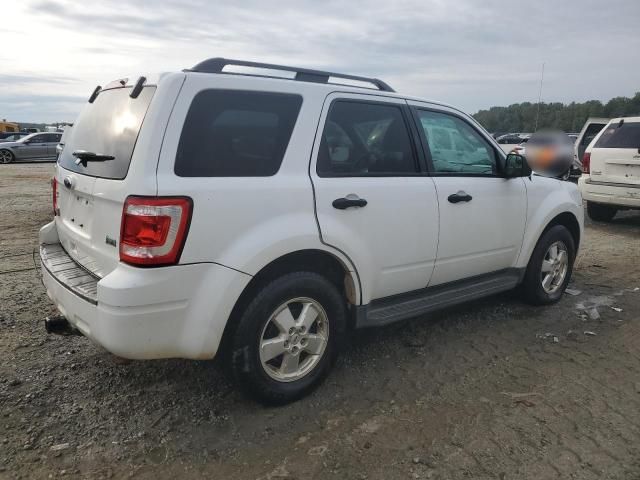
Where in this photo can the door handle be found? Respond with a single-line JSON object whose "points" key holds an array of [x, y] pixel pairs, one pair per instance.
{"points": [[460, 196], [345, 202]]}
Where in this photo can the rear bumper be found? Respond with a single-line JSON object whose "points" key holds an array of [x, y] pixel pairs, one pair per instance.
{"points": [[68, 273], [615, 194], [149, 313]]}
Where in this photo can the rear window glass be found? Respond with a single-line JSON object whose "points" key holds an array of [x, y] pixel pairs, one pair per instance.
{"points": [[620, 135], [591, 132], [109, 126], [232, 133]]}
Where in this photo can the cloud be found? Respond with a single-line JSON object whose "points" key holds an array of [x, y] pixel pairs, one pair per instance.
{"points": [[468, 53], [40, 108], [11, 79]]}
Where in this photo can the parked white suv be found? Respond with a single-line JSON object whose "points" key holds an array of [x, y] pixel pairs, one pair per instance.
{"points": [[260, 218], [611, 169]]}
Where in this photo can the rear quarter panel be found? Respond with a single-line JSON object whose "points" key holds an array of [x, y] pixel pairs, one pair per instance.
{"points": [[245, 223]]}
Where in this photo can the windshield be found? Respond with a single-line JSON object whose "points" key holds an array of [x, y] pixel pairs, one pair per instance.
{"points": [[109, 127], [26, 138]]}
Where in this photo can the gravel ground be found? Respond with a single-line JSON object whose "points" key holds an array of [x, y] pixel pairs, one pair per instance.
{"points": [[493, 389]]}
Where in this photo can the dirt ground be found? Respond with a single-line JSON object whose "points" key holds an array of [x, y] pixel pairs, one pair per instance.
{"points": [[494, 389]]}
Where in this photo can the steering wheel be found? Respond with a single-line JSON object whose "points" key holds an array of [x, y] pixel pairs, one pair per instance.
{"points": [[366, 161]]}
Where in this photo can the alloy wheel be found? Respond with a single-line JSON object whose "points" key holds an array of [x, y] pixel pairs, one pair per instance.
{"points": [[6, 156], [294, 339], [555, 265]]}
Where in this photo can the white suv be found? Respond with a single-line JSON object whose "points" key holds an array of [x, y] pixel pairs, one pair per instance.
{"points": [[259, 218], [611, 169]]}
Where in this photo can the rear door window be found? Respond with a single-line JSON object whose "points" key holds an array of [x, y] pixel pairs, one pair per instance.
{"points": [[365, 139], [233, 133], [108, 126], [620, 135]]}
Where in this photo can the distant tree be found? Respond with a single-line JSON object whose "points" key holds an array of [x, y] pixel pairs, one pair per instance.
{"points": [[521, 117]]}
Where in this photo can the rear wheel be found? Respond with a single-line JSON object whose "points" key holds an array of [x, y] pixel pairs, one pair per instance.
{"points": [[6, 156], [600, 212], [550, 267], [288, 337]]}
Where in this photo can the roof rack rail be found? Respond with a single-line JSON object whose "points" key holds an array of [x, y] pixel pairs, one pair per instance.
{"points": [[216, 65]]}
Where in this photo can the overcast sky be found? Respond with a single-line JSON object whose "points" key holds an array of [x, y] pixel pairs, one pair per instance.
{"points": [[470, 53]]}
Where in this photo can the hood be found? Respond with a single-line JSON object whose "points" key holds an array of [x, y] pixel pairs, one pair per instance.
{"points": [[10, 144]]}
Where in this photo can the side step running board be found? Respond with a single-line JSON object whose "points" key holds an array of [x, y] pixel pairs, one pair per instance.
{"points": [[401, 307]]}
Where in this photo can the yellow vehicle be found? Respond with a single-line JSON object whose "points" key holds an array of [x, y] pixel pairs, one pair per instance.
{"points": [[8, 126]]}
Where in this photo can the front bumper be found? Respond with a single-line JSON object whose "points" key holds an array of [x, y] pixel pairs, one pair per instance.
{"points": [[146, 313], [615, 194]]}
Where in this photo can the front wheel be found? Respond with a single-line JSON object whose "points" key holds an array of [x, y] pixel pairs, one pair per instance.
{"points": [[600, 212], [288, 337], [550, 267], [6, 156]]}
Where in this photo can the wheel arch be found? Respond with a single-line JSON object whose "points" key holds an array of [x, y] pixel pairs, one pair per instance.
{"points": [[318, 261], [548, 213], [568, 220], [532, 289]]}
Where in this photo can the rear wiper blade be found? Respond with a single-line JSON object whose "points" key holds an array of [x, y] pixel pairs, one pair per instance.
{"points": [[83, 157]]}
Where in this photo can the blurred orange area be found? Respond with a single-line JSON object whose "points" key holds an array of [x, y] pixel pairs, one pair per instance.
{"points": [[542, 157], [546, 156]]}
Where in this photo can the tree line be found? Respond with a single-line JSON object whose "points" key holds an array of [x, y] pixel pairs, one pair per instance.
{"points": [[521, 117]]}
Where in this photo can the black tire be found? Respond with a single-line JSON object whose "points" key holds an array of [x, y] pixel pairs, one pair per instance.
{"points": [[600, 212], [532, 288], [243, 352], [6, 156]]}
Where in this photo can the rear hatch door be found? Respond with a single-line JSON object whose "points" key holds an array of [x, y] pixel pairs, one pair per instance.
{"points": [[590, 129], [91, 192], [615, 156]]}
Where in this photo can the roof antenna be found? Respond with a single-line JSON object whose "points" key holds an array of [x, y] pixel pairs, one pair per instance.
{"points": [[539, 98]]}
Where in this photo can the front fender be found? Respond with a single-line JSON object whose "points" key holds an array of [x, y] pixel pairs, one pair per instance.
{"points": [[546, 199], [15, 151]]}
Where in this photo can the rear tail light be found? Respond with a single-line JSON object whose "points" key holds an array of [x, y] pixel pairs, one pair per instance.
{"points": [[54, 195], [154, 230], [586, 162]]}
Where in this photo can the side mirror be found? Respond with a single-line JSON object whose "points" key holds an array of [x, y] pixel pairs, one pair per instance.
{"points": [[516, 165]]}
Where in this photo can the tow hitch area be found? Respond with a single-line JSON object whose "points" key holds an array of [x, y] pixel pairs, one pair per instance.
{"points": [[60, 326]]}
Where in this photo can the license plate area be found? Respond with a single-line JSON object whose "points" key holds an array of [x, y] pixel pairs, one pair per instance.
{"points": [[625, 173], [76, 213]]}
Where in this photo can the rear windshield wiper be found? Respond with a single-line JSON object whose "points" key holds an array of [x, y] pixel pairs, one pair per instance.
{"points": [[83, 157]]}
